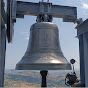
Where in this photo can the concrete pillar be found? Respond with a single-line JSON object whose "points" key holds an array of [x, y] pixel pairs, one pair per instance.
{"points": [[82, 33], [82, 64], [85, 37]]}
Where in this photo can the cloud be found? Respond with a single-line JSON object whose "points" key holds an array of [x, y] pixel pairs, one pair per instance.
{"points": [[27, 38], [85, 5], [25, 35]]}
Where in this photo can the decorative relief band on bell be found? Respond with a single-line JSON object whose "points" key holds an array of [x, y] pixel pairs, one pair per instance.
{"points": [[44, 25], [44, 66]]}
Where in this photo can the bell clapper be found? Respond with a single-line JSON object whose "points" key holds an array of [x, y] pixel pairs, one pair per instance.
{"points": [[71, 78], [44, 76]]}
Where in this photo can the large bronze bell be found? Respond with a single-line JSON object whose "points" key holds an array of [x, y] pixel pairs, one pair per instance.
{"points": [[44, 51]]}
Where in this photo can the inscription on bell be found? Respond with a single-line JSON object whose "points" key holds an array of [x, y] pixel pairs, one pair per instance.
{"points": [[47, 40], [44, 39]]}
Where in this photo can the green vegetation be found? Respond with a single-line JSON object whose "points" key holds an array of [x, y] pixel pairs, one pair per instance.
{"points": [[32, 79]]}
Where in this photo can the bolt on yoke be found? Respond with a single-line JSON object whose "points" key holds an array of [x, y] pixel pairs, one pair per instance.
{"points": [[44, 11]]}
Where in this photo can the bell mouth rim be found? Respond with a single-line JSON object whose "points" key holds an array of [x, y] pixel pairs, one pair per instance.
{"points": [[43, 66]]}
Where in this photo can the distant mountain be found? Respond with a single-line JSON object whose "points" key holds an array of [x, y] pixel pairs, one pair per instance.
{"points": [[24, 78]]}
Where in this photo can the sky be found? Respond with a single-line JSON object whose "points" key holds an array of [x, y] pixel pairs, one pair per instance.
{"points": [[67, 32]]}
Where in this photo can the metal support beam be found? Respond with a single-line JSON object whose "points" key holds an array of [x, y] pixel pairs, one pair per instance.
{"points": [[17, 9], [2, 54], [4, 16], [0, 47], [2, 43], [29, 8], [82, 27]]}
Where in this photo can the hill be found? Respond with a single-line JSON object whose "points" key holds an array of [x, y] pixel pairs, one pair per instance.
{"points": [[14, 78]]}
